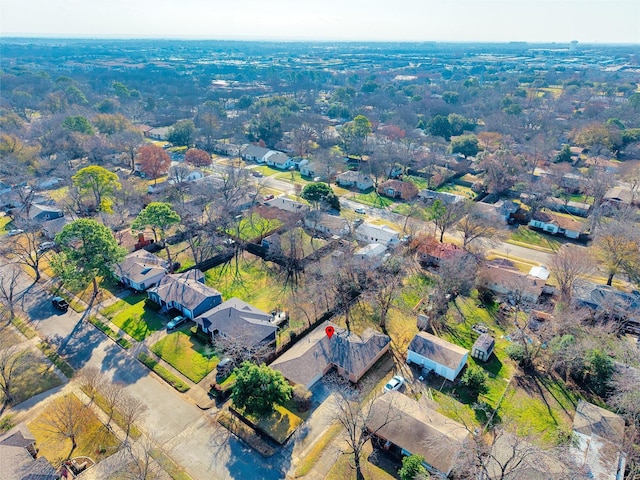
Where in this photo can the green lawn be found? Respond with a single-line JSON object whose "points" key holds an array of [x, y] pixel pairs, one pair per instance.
{"points": [[279, 425], [373, 199], [413, 210], [293, 177], [4, 224], [266, 170], [185, 353], [301, 241], [32, 377], [131, 316], [457, 190], [250, 279], [527, 236]]}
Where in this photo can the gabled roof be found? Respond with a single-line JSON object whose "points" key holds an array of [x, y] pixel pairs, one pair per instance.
{"points": [[598, 435], [16, 463], [139, 265], [185, 289], [439, 350], [276, 157], [561, 221], [38, 208], [419, 429], [380, 232], [239, 320], [485, 342], [353, 176], [313, 354], [255, 151]]}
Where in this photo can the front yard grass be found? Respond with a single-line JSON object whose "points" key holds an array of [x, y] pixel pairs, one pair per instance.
{"points": [[185, 353], [95, 440], [278, 425], [293, 177], [254, 227], [163, 373], [131, 316], [33, 376], [526, 236], [456, 189], [4, 224], [373, 199]]}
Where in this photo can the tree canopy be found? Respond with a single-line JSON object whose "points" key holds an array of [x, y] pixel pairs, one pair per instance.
{"points": [[98, 182], [259, 387], [89, 250], [159, 216], [319, 192], [154, 161], [467, 145], [182, 133]]}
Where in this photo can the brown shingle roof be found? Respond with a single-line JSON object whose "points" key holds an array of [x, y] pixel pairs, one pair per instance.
{"points": [[418, 429]]}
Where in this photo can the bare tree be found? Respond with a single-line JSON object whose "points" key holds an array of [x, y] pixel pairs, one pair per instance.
{"points": [[361, 422], [136, 462], [65, 417], [568, 265], [476, 227], [131, 409], [9, 278], [10, 361], [618, 245], [384, 286], [445, 216], [24, 249], [112, 393], [91, 381]]}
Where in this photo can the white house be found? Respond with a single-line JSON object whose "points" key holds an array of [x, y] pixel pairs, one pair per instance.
{"points": [[557, 224], [371, 255], [328, 224], [254, 153], [434, 353], [370, 233], [159, 133], [278, 160], [355, 179]]}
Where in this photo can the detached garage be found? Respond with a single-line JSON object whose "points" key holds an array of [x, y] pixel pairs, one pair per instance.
{"points": [[434, 353]]}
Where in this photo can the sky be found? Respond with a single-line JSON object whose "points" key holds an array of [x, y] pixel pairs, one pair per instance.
{"points": [[587, 21]]}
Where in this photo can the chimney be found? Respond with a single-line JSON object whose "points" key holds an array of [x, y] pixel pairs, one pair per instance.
{"points": [[141, 237]]}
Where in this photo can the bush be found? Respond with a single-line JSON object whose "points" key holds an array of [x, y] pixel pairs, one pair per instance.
{"points": [[412, 468], [475, 379], [302, 398], [516, 353]]}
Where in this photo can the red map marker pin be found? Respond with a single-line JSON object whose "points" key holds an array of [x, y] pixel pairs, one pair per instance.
{"points": [[329, 331]]}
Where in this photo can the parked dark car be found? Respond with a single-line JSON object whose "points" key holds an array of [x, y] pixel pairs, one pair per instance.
{"points": [[60, 303]]}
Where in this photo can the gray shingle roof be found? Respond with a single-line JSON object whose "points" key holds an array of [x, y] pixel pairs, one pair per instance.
{"points": [[439, 350], [313, 354], [185, 289], [139, 265], [238, 320]]}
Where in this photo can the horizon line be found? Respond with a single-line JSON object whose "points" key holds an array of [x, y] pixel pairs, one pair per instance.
{"points": [[55, 36]]}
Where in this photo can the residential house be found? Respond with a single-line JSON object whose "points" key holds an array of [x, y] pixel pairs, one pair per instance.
{"points": [[316, 354], [315, 170], [572, 182], [278, 160], [19, 457], [141, 270], [558, 225], [598, 435], [144, 129], [237, 320], [228, 149], [288, 205], [483, 347], [398, 189], [50, 228], [431, 252], [569, 206], [42, 213], [326, 224], [370, 233], [159, 133], [370, 256], [606, 300], [502, 211], [619, 196], [433, 353], [430, 196], [185, 292], [408, 427], [352, 178], [254, 153], [503, 281]]}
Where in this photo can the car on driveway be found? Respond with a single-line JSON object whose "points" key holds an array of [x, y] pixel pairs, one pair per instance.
{"points": [[14, 232], [360, 210], [394, 384], [176, 322], [60, 303], [44, 246]]}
